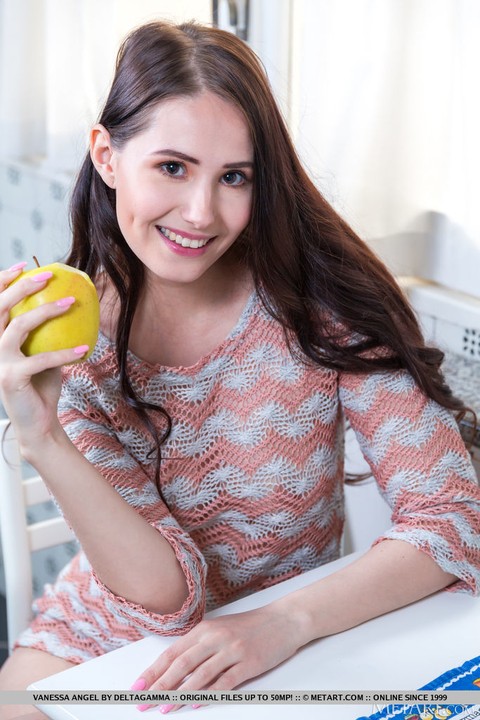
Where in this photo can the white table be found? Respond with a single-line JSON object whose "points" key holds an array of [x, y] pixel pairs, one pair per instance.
{"points": [[402, 650]]}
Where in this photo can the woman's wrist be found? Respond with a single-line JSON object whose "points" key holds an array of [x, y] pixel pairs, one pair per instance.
{"points": [[297, 618], [44, 449]]}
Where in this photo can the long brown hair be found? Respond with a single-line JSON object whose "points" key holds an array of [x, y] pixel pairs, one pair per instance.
{"points": [[338, 303]]}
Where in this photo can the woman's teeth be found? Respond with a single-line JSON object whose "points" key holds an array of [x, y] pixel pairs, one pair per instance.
{"points": [[184, 242]]}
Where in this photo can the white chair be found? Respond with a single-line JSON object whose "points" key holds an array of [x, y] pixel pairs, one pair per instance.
{"points": [[20, 539]]}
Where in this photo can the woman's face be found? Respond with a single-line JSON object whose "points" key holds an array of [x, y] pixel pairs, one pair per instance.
{"points": [[184, 186]]}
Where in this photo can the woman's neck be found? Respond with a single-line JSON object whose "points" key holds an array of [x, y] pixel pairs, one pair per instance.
{"points": [[176, 325]]}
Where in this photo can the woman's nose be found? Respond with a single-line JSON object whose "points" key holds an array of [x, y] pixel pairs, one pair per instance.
{"points": [[199, 205]]}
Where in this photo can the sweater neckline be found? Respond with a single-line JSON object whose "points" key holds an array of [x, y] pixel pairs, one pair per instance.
{"points": [[106, 344]]}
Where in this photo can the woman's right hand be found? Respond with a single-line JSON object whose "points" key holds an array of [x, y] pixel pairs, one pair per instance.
{"points": [[30, 386]]}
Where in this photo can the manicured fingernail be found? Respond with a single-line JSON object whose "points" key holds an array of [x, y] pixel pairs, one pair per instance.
{"points": [[143, 707], [195, 707], [40, 277], [81, 349], [139, 684], [18, 266], [166, 708], [65, 303]]}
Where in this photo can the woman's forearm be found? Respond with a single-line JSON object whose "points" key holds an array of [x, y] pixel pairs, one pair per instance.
{"points": [[128, 555], [390, 575]]}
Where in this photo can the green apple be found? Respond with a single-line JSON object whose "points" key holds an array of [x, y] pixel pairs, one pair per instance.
{"points": [[76, 326]]}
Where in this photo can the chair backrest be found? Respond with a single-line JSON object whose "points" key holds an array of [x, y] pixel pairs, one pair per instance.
{"points": [[19, 538]]}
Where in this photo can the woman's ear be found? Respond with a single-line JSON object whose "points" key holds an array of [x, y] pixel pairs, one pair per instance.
{"points": [[101, 153]]}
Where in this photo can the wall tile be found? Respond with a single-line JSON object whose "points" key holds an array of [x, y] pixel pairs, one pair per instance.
{"points": [[54, 197], [19, 186], [16, 238], [33, 214]]}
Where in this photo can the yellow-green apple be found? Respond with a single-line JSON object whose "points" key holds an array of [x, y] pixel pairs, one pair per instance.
{"points": [[76, 326]]}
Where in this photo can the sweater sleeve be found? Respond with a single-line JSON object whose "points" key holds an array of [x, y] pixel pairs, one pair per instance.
{"points": [[81, 416], [422, 468]]}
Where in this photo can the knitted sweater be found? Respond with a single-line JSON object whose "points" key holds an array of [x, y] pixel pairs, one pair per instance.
{"points": [[252, 477]]}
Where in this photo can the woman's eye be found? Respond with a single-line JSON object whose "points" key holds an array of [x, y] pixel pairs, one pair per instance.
{"points": [[174, 169], [234, 178]]}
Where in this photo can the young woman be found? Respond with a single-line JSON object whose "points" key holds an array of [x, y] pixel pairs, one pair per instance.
{"points": [[198, 453]]}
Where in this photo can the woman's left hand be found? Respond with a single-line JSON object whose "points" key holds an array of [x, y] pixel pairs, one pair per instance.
{"points": [[222, 653]]}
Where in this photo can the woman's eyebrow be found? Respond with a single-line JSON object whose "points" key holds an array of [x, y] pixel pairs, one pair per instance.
{"points": [[242, 163], [176, 153], [182, 156]]}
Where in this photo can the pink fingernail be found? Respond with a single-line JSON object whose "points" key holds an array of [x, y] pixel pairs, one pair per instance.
{"points": [[166, 708], [65, 303], [18, 266], [81, 349], [40, 277], [139, 684], [143, 707], [195, 707]]}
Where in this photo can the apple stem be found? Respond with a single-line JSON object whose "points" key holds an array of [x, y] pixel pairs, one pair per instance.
{"points": [[36, 261]]}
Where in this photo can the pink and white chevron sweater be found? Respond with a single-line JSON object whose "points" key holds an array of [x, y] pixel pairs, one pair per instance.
{"points": [[252, 477]]}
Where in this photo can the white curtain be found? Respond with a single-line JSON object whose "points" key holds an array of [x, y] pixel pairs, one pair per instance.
{"points": [[386, 114], [56, 63]]}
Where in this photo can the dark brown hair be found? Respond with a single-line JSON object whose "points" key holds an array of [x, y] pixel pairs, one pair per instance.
{"points": [[339, 305]]}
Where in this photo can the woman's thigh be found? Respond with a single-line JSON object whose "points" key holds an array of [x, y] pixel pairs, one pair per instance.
{"points": [[23, 667]]}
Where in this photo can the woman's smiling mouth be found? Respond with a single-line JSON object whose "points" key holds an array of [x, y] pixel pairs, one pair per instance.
{"points": [[182, 241]]}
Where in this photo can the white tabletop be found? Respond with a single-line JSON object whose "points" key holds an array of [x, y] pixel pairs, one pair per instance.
{"points": [[402, 650]]}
